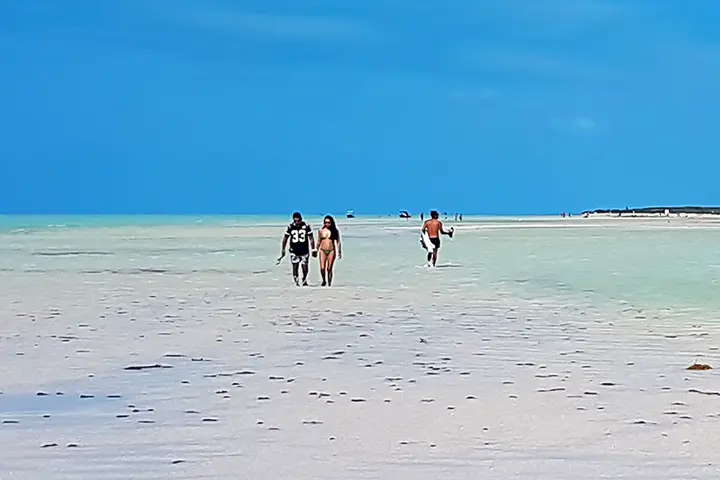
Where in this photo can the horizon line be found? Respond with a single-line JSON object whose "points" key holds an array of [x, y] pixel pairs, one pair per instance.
{"points": [[364, 214], [268, 214]]}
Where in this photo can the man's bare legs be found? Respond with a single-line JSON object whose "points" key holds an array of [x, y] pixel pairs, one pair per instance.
{"points": [[296, 273], [305, 270], [433, 256]]}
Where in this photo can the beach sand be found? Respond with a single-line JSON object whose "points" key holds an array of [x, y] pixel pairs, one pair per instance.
{"points": [[398, 371]]}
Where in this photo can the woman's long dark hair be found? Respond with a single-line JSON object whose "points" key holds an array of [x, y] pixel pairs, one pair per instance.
{"points": [[334, 232]]}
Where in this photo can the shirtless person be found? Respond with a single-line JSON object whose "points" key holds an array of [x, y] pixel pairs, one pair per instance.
{"points": [[434, 229], [301, 239]]}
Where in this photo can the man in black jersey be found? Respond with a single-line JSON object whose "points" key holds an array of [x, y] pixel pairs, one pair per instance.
{"points": [[301, 240]]}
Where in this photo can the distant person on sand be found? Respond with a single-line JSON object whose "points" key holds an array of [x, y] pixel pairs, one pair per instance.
{"points": [[434, 229], [330, 248], [301, 239]]}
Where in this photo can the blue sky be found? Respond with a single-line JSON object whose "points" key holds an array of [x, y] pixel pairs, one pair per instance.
{"points": [[478, 106]]}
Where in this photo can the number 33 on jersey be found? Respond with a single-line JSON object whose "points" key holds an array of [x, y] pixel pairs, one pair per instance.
{"points": [[299, 236]]}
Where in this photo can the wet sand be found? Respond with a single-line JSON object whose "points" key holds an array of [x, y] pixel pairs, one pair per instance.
{"points": [[117, 372]]}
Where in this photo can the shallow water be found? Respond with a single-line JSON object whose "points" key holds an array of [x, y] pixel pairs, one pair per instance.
{"points": [[540, 341], [667, 267]]}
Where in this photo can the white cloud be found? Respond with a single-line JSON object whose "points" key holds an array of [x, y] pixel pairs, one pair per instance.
{"points": [[277, 26], [563, 16], [583, 123], [528, 62], [577, 124], [548, 38], [474, 94], [261, 24], [573, 10]]}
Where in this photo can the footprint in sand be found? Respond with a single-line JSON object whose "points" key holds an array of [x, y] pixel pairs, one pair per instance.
{"points": [[643, 422], [548, 390]]}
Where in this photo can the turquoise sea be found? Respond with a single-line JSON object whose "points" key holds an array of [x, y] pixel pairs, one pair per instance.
{"points": [[663, 267]]}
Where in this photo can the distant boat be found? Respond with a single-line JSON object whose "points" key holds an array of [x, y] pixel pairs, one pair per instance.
{"points": [[405, 214], [350, 214]]}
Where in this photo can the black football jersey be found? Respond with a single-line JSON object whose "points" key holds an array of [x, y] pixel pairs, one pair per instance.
{"points": [[299, 237]]}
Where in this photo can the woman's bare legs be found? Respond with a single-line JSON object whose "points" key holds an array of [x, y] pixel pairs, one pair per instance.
{"points": [[329, 262], [323, 261]]}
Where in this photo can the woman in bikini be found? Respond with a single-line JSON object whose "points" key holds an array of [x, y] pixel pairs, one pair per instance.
{"points": [[329, 249]]}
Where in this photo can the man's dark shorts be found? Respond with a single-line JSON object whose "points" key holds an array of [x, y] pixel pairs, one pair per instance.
{"points": [[435, 241]]}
